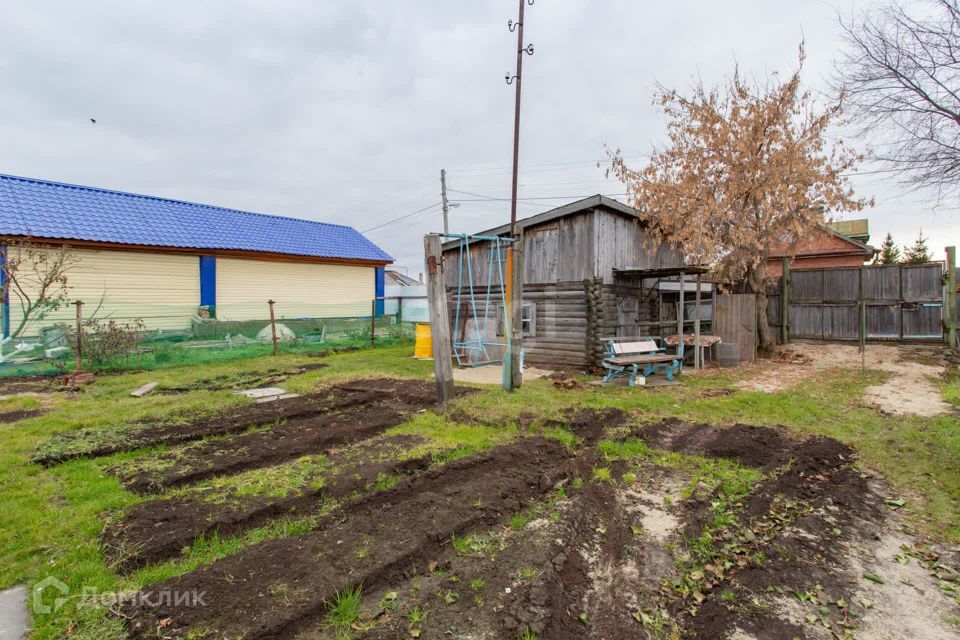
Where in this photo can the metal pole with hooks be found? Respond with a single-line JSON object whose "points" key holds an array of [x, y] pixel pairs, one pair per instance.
{"points": [[513, 306]]}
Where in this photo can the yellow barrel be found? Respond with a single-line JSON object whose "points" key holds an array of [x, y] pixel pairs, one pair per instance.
{"points": [[423, 349]]}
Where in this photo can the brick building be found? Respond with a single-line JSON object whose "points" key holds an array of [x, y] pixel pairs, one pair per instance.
{"points": [[837, 244]]}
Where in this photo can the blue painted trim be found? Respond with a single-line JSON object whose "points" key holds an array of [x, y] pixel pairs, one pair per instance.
{"points": [[6, 293], [208, 281], [379, 287]]}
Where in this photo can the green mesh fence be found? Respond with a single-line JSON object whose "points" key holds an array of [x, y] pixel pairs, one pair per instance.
{"points": [[119, 336]]}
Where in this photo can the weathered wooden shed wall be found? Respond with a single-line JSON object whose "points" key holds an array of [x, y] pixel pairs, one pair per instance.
{"points": [[588, 244], [568, 277]]}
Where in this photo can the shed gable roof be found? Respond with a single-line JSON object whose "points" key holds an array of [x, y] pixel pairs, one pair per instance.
{"points": [[572, 208], [54, 210]]}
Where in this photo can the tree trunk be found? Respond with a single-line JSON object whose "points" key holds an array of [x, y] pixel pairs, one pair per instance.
{"points": [[758, 282]]}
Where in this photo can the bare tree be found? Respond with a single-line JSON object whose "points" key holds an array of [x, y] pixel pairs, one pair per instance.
{"points": [[747, 166], [901, 76], [35, 276]]}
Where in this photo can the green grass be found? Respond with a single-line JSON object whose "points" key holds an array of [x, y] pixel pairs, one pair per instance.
{"points": [[343, 611], [50, 518]]}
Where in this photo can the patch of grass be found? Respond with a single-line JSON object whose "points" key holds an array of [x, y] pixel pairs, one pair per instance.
{"points": [[343, 611], [416, 615], [477, 583], [385, 481], [478, 544], [602, 475], [20, 403], [448, 441]]}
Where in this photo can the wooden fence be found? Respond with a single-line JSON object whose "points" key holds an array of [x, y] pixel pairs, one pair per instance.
{"points": [[901, 302]]}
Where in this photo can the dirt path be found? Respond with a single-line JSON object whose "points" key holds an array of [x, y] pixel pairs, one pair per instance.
{"points": [[910, 390]]}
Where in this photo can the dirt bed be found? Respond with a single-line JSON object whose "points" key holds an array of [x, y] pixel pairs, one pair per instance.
{"points": [[85, 443], [667, 530], [15, 416], [28, 385], [89, 444], [159, 529], [243, 380], [279, 587], [338, 416]]}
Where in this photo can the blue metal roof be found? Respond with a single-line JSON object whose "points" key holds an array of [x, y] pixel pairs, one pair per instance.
{"points": [[44, 209]]}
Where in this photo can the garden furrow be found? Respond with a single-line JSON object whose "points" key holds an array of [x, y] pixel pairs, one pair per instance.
{"points": [[160, 529], [277, 587]]}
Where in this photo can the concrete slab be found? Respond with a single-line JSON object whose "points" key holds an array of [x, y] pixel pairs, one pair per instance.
{"points": [[493, 374], [266, 392], [14, 617], [282, 396]]}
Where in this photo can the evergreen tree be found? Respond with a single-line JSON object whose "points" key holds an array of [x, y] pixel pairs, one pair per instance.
{"points": [[919, 252], [889, 253]]}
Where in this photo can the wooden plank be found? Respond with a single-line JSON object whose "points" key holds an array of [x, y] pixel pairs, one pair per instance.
{"points": [[922, 282], [841, 285], [881, 282], [806, 285], [144, 390]]}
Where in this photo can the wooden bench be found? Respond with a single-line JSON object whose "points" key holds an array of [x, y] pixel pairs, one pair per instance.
{"points": [[627, 358]]}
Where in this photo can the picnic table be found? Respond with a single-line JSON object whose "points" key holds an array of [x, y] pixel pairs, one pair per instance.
{"points": [[706, 343]]}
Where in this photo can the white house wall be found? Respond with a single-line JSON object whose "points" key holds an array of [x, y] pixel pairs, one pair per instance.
{"points": [[300, 290], [162, 289]]}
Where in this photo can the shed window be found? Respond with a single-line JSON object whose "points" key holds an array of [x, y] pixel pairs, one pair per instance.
{"points": [[528, 320]]}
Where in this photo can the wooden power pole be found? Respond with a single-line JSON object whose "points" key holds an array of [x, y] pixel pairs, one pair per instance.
{"points": [[514, 301], [446, 203], [439, 320]]}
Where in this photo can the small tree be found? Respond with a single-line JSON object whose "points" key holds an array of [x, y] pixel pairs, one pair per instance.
{"points": [[746, 166], [35, 276], [918, 252], [889, 253]]}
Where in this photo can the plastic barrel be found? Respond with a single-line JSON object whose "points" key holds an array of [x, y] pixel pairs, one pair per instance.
{"points": [[423, 348], [728, 354]]}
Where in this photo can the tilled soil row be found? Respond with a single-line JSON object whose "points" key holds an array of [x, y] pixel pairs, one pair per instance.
{"points": [[276, 588], [597, 583], [798, 521], [353, 414], [238, 419], [581, 592], [157, 530], [801, 521], [244, 380]]}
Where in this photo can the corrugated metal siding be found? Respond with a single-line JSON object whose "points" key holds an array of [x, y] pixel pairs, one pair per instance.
{"points": [[300, 290], [162, 289]]}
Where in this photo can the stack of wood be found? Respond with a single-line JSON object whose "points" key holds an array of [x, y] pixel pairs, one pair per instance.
{"points": [[77, 378]]}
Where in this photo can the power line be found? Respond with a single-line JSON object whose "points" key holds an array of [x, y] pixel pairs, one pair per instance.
{"points": [[403, 217], [485, 198], [556, 166]]}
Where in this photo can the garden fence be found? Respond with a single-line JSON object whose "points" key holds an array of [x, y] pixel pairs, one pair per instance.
{"points": [[118, 336]]}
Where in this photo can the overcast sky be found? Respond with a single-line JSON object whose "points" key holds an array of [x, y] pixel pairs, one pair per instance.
{"points": [[345, 112]]}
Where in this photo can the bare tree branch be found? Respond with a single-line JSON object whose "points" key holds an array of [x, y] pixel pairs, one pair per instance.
{"points": [[37, 276], [901, 77]]}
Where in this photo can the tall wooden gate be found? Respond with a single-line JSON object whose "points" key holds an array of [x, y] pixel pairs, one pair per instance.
{"points": [[902, 302]]}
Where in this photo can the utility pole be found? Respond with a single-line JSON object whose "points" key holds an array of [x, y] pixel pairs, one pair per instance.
{"points": [[514, 304], [446, 204]]}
